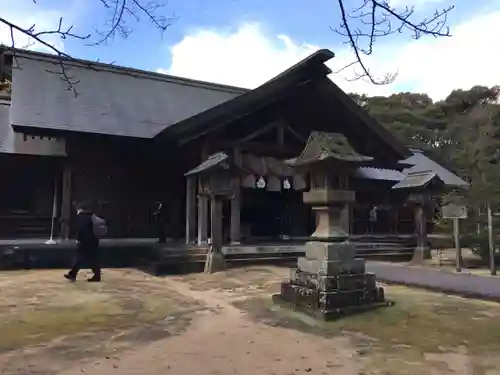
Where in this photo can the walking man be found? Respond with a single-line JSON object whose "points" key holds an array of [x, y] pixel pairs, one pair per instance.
{"points": [[87, 244]]}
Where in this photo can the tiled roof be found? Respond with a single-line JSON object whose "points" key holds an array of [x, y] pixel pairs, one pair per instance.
{"points": [[372, 173], [111, 100], [321, 146], [212, 161], [422, 163], [416, 180]]}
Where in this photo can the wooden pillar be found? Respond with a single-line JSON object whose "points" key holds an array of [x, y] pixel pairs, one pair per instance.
{"points": [[216, 224], [422, 250], [66, 201], [202, 219], [190, 209], [235, 211]]}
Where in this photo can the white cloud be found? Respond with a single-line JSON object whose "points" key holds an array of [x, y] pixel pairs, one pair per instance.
{"points": [[415, 3], [248, 57], [244, 58], [470, 57], [25, 14]]}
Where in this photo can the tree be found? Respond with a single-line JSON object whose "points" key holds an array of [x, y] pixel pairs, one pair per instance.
{"points": [[414, 118], [461, 133], [475, 134], [361, 26], [121, 13]]}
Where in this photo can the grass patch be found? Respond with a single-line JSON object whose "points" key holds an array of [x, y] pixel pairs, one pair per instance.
{"points": [[401, 338], [35, 310], [423, 320], [35, 326]]}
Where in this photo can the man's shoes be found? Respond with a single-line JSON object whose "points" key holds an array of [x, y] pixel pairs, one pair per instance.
{"points": [[94, 279], [70, 277]]}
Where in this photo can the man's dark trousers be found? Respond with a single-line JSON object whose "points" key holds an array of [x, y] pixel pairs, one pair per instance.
{"points": [[86, 256]]}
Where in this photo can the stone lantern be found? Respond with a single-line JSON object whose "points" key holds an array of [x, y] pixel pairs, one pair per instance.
{"points": [[328, 159], [330, 281]]}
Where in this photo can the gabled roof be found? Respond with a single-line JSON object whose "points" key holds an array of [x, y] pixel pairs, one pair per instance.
{"points": [[111, 100], [422, 163], [423, 168], [266, 93], [311, 69], [417, 180], [213, 161], [322, 146], [372, 173]]}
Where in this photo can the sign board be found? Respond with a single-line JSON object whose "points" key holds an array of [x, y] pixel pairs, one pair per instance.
{"points": [[454, 211]]}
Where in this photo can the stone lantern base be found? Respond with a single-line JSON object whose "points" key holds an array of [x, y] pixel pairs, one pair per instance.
{"points": [[330, 282]]}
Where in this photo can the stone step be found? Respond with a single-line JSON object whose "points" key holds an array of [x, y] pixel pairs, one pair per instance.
{"points": [[333, 283], [328, 301]]}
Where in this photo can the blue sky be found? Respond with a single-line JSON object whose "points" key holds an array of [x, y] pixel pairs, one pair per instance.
{"points": [[245, 42]]}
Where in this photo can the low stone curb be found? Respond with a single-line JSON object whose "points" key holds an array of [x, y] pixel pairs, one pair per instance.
{"points": [[465, 285]]}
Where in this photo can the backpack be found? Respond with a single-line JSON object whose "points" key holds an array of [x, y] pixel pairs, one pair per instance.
{"points": [[99, 226]]}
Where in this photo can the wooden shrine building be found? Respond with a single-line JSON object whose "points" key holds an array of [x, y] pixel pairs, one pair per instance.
{"points": [[222, 159]]}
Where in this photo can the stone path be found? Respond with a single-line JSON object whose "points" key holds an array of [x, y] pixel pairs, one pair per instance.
{"points": [[462, 284]]}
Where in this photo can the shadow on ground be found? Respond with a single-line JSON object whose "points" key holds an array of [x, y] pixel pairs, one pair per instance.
{"points": [[422, 327]]}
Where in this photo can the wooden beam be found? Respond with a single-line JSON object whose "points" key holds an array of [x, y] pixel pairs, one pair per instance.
{"points": [[202, 219], [281, 134], [264, 100], [2, 67], [235, 233], [296, 134], [268, 149], [216, 224], [237, 157], [422, 250], [66, 201], [190, 209], [258, 132]]}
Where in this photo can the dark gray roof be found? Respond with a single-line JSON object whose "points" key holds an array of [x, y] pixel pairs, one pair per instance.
{"points": [[422, 168], [416, 180], [111, 100], [422, 163], [212, 161], [371, 173], [323, 96], [321, 146]]}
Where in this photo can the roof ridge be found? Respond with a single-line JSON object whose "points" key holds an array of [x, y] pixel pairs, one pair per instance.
{"points": [[134, 72]]}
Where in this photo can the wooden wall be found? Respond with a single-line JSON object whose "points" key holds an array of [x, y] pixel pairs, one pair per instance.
{"points": [[26, 194], [124, 178]]}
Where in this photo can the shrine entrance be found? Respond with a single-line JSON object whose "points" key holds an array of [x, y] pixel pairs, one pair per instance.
{"points": [[274, 215], [259, 199]]}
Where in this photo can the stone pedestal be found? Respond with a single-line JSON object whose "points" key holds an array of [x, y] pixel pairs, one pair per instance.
{"points": [[331, 222], [420, 254], [332, 212], [330, 282], [215, 262]]}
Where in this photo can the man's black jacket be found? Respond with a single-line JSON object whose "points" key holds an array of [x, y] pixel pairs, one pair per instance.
{"points": [[87, 240]]}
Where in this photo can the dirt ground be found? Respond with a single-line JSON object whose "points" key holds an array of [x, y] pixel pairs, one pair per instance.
{"points": [[133, 323]]}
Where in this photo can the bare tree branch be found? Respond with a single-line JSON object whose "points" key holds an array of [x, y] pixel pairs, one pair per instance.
{"points": [[378, 19], [120, 13], [361, 26]]}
